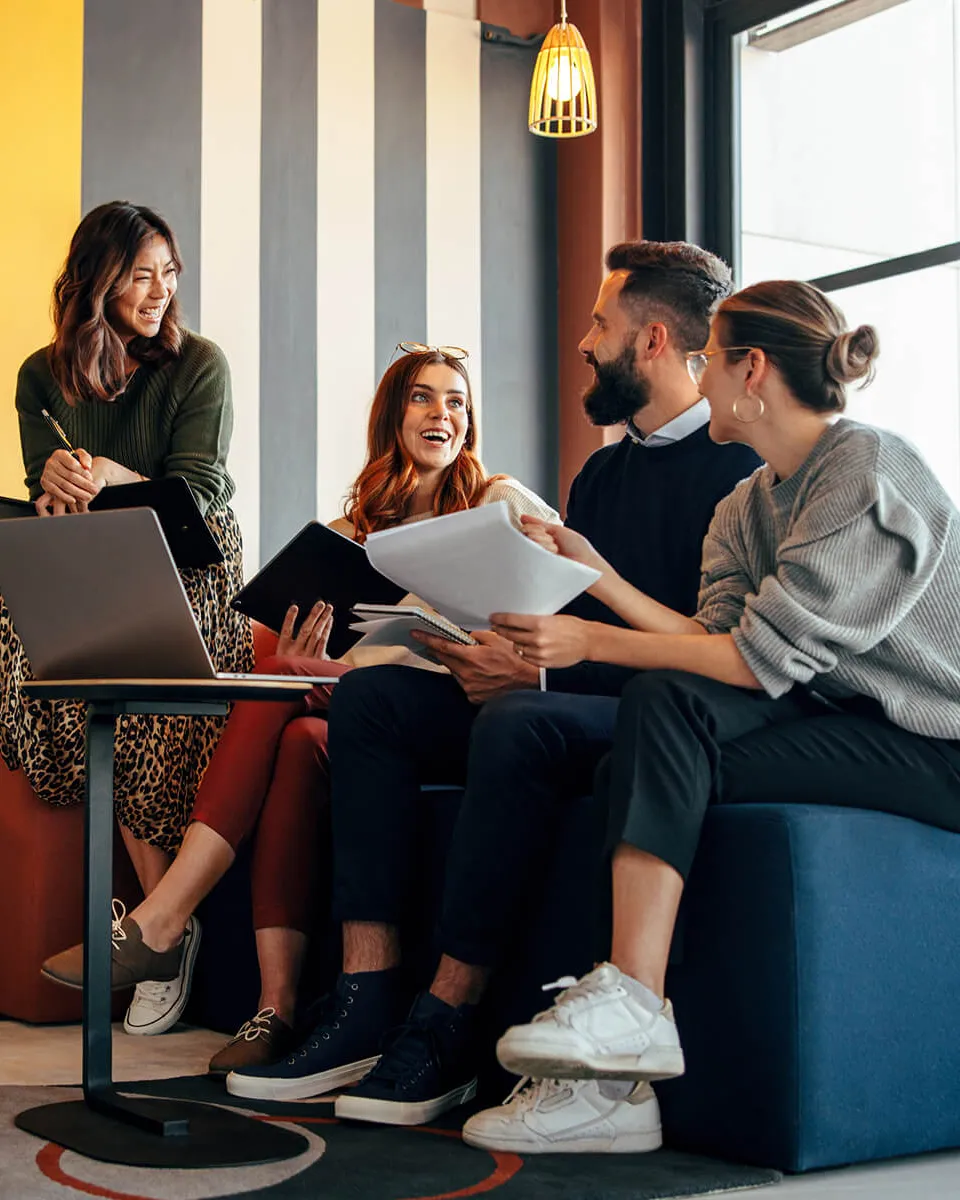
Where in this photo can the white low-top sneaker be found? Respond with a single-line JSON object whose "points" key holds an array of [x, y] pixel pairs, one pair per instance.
{"points": [[157, 1007], [569, 1116], [602, 1027]]}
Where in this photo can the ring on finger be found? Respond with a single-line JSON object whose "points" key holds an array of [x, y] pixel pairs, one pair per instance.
{"points": [[520, 651]]}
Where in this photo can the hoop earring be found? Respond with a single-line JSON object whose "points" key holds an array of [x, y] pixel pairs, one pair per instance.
{"points": [[748, 420]]}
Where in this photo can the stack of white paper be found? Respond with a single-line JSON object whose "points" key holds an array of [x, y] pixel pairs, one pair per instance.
{"points": [[470, 564]]}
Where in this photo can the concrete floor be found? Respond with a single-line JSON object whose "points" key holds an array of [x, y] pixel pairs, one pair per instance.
{"points": [[50, 1054]]}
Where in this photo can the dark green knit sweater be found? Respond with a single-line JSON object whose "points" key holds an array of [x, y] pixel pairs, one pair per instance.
{"points": [[175, 419]]}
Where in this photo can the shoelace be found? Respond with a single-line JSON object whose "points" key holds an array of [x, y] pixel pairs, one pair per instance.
{"points": [[408, 1051], [331, 1010], [529, 1092], [256, 1027], [575, 992], [154, 994], [117, 932]]}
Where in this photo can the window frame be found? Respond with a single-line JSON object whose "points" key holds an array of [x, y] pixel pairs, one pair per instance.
{"points": [[724, 22]]}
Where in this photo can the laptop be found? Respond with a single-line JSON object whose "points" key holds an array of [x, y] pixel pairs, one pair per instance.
{"points": [[96, 596]]}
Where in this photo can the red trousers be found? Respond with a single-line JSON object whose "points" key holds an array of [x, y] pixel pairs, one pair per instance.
{"points": [[269, 778]]}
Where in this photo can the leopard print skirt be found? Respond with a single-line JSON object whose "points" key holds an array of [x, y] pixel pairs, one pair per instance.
{"points": [[159, 761]]}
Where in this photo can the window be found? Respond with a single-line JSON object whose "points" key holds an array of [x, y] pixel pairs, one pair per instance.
{"points": [[840, 164]]}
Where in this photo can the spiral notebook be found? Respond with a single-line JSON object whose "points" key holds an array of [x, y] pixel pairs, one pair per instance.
{"points": [[376, 618]]}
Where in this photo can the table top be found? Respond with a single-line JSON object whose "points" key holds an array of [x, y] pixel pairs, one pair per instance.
{"points": [[251, 687]]}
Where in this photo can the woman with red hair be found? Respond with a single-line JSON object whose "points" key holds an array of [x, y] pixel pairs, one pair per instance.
{"points": [[269, 775]]}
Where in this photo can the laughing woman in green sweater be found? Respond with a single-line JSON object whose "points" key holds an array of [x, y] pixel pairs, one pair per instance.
{"points": [[141, 398]]}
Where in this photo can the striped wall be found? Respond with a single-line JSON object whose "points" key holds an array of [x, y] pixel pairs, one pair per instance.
{"points": [[341, 174]]}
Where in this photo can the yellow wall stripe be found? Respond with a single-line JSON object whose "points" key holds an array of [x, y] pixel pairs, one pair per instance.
{"points": [[41, 105]]}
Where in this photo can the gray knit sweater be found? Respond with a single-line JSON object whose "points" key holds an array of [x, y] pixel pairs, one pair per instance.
{"points": [[846, 577]]}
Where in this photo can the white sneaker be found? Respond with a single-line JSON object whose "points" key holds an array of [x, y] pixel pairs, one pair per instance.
{"points": [[569, 1116], [599, 1028], [157, 1007]]}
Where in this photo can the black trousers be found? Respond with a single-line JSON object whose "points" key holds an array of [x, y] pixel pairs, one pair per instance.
{"points": [[683, 742], [520, 759]]}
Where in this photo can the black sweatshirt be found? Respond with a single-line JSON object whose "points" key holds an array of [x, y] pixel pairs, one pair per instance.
{"points": [[647, 511]]}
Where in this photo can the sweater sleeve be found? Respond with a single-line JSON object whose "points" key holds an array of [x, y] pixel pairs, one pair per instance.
{"points": [[37, 442], [844, 578], [202, 428], [520, 500], [724, 582]]}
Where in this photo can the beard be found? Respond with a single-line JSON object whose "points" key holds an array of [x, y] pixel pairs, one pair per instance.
{"points": [[617, 391]]}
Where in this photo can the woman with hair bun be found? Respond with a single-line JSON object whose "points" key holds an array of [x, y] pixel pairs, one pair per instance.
{"points": [[822, 665], [268, 780]]}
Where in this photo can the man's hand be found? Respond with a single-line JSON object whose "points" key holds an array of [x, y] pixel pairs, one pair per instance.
{"points": [[556, 642], [486, 671], [312, 636]]}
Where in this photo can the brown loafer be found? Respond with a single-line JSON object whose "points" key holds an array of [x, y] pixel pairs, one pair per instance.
{"points": [[132, 960], [263, 1040]]}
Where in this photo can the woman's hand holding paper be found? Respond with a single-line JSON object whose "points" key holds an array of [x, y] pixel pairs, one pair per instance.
{"points": [[558, 539], [311, 638], [553, 642]]}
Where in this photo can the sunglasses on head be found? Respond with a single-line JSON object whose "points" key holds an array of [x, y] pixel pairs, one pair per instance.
{"points": [[455, 352]]}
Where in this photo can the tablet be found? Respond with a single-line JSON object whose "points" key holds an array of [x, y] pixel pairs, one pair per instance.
{"points": [[10, 507], [188, 535], [318, 564]]}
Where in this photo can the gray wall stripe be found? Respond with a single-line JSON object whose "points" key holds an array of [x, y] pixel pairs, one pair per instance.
{"points": [[401, 178], [288, 271], [519, 277], [142, 117]]}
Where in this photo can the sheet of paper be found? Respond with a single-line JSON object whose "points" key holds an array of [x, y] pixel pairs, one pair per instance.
{"points": [[470, 564]]}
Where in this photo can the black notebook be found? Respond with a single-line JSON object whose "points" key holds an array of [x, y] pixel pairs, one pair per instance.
{"points": [[318, 564], [10, 507], [188, 535]]}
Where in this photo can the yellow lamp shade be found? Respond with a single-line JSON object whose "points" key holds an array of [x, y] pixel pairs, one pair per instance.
{"points": [[563, 94]]}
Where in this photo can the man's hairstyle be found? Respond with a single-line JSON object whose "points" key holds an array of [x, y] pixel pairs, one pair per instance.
{"points": [[676, 283]]}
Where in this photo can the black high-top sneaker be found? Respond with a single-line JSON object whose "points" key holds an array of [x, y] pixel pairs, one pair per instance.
{"points": [[342, 1048], [427, 1066]]}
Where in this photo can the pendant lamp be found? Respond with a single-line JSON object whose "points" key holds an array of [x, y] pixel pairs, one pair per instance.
{"points": [[563, 94]]}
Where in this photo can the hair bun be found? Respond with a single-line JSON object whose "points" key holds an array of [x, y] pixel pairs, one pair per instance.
{"points": [[851, 355]]}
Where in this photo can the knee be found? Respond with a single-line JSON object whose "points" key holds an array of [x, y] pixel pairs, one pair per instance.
{"points": [[655, 692], [517, 725], [273, 664], [366, 694], [305, 739]]}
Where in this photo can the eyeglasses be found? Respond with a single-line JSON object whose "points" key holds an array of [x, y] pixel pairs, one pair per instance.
{"points": [[455, 352], [698, 360]]}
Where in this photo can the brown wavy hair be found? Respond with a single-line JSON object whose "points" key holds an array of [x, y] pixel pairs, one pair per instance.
{"points": [[381, 495], [88, 356]]}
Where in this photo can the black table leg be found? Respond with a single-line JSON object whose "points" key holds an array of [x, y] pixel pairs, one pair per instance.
{"points": [[105, 1124]]}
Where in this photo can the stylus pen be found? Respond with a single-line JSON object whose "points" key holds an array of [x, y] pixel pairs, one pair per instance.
{"points": [[58, 430]]}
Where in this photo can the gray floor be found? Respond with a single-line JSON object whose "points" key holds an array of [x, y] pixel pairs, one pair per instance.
{"points": [[35, 1055], [927, 1177]]}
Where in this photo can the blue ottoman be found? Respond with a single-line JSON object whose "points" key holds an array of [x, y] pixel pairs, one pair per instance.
{"points": [[817, 989]]}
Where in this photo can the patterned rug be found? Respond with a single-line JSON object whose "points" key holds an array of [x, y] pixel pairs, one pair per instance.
{"points": [[350, 1161]]}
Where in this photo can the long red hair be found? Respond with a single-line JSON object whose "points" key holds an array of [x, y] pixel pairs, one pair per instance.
{"points": [[382, 493]]}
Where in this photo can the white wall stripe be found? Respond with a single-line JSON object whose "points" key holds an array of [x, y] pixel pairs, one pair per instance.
{"points": [[230, 232], [453, 187], [346, 298]]}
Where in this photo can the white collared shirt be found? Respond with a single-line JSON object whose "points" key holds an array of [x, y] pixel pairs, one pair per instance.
{"points": [[689, 421]]}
